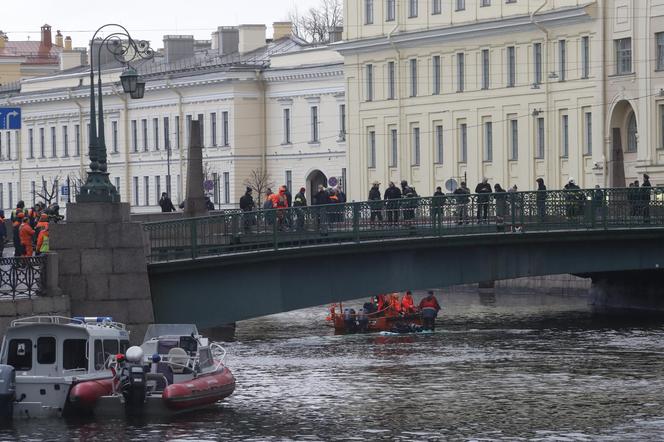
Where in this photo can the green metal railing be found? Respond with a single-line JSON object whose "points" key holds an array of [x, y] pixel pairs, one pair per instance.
{"points": [[469, 214]]}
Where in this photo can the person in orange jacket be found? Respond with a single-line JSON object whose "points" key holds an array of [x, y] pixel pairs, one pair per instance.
{"points": [[407, 303], [395, 303], [42, 241], [26, 233], [430, 309]]}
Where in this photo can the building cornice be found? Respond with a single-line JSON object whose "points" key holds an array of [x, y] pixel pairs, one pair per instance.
{"points": [[481, 29]]}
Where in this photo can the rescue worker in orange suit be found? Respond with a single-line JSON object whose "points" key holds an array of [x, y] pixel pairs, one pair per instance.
{"points": [[17, 221], [42, 241], [430, 308], [280, 201], [395, 303], [42, 224], [407, 303], [26, 234]]}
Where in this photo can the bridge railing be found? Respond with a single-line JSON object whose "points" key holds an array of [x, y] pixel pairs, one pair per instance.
{"points": [[22, 277], [451, 214]]}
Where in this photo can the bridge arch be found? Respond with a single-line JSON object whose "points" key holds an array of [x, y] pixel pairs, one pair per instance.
{"points": [[623, 127], [315, 178]]}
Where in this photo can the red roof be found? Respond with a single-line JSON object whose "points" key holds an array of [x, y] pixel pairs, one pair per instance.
{"points": [[34, 51]]}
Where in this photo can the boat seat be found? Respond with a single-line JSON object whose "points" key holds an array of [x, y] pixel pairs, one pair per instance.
{"points": [[164, 370], [178, 358]]}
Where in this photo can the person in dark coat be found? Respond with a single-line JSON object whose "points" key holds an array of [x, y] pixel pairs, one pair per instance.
{"points": [[166, 204], [209, 205], [247, 204], [321, 199], [375, 202], [500, 196], [392, 195], [540, 199], [437, 203], [483, 191], [462, 200], [300, 201], [572, 198], [646, 193], [409, 206]]}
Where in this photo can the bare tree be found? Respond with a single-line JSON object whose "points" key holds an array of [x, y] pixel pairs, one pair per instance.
{"points": [[259, 181], [49, 191], [315, 24]]}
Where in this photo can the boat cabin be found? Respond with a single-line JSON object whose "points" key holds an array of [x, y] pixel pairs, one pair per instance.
{"points": [[55, 346]]}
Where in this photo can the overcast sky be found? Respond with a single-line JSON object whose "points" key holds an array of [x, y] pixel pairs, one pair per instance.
{"points": [[145, 19]]}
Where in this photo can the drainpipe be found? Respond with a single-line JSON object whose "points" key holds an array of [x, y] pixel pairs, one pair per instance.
{"points": [[125, 131], [547, 94], [397, 82], [178, 142]]}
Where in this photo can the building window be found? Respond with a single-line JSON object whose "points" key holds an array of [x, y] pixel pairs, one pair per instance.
{"points": [[413, 77], [540, 138], [213, 129], [623, 56], [201, 128], [342, 122], [225, 134], [391, 80], [632, 142], [416, 146], [659, 37], [485, 3], [117, 184], [187, 130], [371, 141], [368, 12], [514, 139], [585, 57], [461, 72], [463, 142], [488, 141], [31, 144], [144, 131], [485, 69], [588, 133], [54, 143], [65, 141], [2, 196], [511, 66], [439, 144], [562, 55], [42, 144], [9, 145], [167, 135], [77, 134], [11, 194], [537, 59], [314, 124], [394, 148], [155, 132], [369, 91], [178, 142], [33, 192], [564, 125], [412, 8], [227, 188], [146, 190], [460, 5], [134, 136], [289, 180], [436, 7], [287, 127], [157, 187], [135, 179], [436, 74], [390, 7], [114, 137]]}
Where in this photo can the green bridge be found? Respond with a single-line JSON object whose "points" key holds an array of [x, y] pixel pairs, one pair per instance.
{"points": [[237, 265]]}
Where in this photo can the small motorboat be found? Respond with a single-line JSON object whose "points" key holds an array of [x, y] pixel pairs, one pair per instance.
{"points": [[350, 320], [175, 370]]}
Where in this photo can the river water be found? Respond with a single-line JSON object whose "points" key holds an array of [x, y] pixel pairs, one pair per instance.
{"points": [[526, 367]]}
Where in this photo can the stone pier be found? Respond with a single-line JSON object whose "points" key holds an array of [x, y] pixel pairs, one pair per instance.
{"points": [[636, 291], [102, 265]]}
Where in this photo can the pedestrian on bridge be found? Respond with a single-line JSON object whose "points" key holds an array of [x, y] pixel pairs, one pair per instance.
{"points": [[26, 234], [500, 196], [430, 308], [483, 191], [646, 191], [541, 199], [166, 204], [462, 200], [392, 195], [375, 202], [247, 205], [300, 201], [437, 204]]}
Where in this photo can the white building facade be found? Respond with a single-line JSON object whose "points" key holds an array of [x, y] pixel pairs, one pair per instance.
{"points": [[508, 90], [272, 106]]}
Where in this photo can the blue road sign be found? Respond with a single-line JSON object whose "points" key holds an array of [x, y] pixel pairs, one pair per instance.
{"points": [[10, 118], [64, 190]]}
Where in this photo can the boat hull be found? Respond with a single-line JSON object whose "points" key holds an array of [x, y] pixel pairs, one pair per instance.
{"points": [[84, 395], [204, 390], [377, 324]]}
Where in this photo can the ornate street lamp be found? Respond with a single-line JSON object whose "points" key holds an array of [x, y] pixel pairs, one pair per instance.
{"points": [[97, 187]]}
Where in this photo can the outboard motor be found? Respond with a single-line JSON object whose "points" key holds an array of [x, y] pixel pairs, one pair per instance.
{"points": [[133, 382], [7, 391]]}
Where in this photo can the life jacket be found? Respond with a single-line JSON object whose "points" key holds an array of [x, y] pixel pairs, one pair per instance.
{"points": [[42, 242], [429, 303], [407, 303]]}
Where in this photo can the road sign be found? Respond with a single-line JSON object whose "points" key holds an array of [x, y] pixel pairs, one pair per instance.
{"points": [[451, 185], [10, 118], [208, 185], [333, 181], [64, 190]]}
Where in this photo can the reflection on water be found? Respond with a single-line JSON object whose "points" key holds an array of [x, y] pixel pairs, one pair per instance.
{"points": [[504, 367]]}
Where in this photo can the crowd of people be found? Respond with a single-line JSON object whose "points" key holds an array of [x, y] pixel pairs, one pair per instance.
{"points": [[30, 228]]}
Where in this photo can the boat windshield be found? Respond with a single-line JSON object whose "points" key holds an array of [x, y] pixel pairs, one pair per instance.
{"points": [[156, 330]]}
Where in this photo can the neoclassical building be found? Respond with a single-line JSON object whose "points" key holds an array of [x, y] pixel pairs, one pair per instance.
{"points": [[510, 90], [275, 105]]}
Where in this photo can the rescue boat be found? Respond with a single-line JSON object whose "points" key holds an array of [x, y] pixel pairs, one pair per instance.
{"points": [[349, 320]]}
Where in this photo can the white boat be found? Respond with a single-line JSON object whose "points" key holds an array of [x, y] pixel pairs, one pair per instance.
{"points": [[42, 357]]}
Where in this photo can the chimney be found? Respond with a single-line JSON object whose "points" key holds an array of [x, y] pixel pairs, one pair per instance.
{"points": [[67, 43], [46, 40], [72, 58], [228, 38], [58, 39], [282, 29], [252, 37], [336, 34], [178, 47]]}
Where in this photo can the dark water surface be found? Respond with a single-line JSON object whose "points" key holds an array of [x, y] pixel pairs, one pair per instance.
{"points": [[524, 367]]}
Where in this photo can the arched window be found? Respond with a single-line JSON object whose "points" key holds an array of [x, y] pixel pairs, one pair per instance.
{"points": [[631, 133]]}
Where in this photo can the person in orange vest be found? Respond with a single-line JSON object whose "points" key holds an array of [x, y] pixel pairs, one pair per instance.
{"points": [[42, 241], [42, 224], [26, 233], [407, 303], [395, 303], [280, 201], [430, 308]]}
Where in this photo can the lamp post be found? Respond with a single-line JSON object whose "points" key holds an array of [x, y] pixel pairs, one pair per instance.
{"points": [[98, 187]]}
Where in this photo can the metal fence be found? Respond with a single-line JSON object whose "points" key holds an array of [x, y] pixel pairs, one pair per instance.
{"points": [[451, 214], [22, 277]]}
